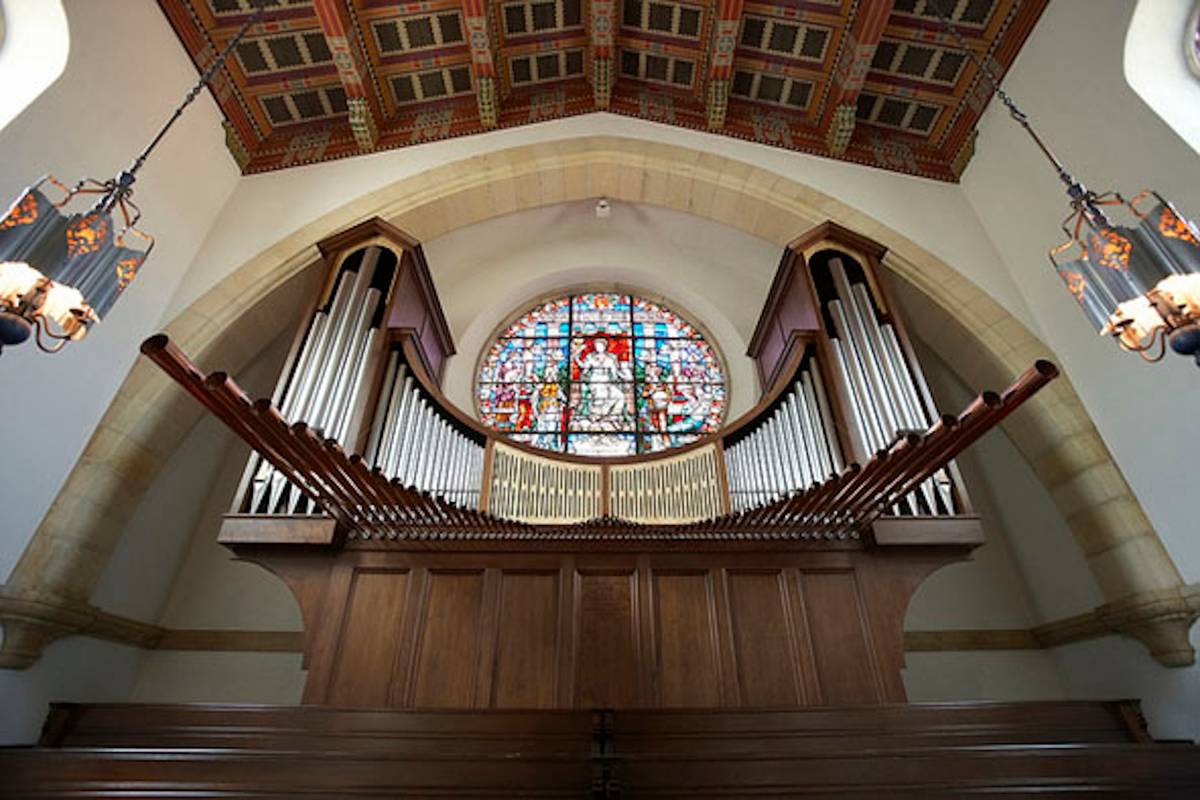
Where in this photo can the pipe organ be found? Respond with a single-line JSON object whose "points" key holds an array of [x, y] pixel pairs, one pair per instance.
{"points": [[841, 388], [438, 564]]}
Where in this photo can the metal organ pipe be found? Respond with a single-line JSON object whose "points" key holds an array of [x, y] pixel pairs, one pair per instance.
{"points": [[375, 438], [884, 400], [791, 449], [327, 380]]}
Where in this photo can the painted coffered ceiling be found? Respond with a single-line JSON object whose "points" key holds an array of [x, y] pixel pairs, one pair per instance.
{"points": [[875, 82]]}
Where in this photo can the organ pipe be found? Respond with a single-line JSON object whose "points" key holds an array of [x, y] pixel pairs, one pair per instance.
{"points": [[791, 449], [330, 373], [884, 399]]}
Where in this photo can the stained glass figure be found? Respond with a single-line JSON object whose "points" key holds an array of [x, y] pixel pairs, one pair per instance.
{"points": [[602, 374]]}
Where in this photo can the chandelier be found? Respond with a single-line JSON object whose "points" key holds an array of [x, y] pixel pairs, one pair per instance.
{"points": [[1133, 265], [63, 268]]}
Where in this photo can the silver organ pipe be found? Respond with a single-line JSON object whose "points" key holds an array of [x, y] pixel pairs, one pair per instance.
{"points": [[802, 440], [819, 454], [421, 447], [794, 446], [330, 374], [381, 406], [884, 398], [399, 396]]}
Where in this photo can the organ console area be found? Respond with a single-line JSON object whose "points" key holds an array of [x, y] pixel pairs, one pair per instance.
{"points": [[438, 564]]}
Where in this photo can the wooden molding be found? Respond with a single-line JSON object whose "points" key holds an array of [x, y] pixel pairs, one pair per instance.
{"points": [[971, 639], [39, 622], [832, 232], [212, 640], [330, 246]]}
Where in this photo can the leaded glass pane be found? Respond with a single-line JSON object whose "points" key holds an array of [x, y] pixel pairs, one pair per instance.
{"points": [[681, 407], [601, 406], [600, 312], [602, 373], [522, 407], [602, 444]]}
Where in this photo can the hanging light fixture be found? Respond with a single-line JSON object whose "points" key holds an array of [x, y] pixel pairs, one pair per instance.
{"points": [[62, 270], [1132, 265]]}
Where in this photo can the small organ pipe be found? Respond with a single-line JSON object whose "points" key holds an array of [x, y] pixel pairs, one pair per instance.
{"points": [[791, 453], [404, 428], [408, 470], [420, 460], [393, 424], [795, 438], [835, 453], [807, 441], [386, 395], [822, 467]]}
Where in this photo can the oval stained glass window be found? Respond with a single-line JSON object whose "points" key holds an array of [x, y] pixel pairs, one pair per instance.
{"points": [[601, 374]]}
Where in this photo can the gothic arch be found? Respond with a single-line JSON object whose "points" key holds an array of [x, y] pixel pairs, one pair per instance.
{"points": [[149, 416]]}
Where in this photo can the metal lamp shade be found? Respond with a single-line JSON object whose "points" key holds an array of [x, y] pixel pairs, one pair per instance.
{"points": [[79, 251], [1093, 297]]}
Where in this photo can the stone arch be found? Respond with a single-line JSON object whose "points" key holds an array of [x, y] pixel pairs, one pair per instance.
{"points": [[147, 419]]}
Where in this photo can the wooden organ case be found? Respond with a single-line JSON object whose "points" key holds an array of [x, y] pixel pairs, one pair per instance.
{"points": [[439, 565]]}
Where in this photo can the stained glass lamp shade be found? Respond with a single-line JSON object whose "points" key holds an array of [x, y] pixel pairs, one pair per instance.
{"points": [[602, 374]]}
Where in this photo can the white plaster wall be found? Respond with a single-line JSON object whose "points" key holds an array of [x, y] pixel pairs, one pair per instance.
{"points": [[33, 51], [1118, 668], [1049, 571], [1069, 77], [713, 274], [267, 207], [92, 122], [75, 669], [1013, 675], [1156, 65], [193, 677], [187, 498]]}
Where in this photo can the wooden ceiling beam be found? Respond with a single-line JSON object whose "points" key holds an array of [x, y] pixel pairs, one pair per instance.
{"points": [[720, 60], [353, 71], [863, 33], [483, 61], [602, 27]]}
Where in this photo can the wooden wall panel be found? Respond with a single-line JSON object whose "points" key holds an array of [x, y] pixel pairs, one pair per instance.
{"points": [[835, 621], [447, 658], [688, 670], [526, 669], [370, 638], [605, 629], [606, 641], [764, 639]]}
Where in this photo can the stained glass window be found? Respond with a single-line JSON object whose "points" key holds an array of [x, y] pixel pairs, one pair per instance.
{"points": [[602, 374]]}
